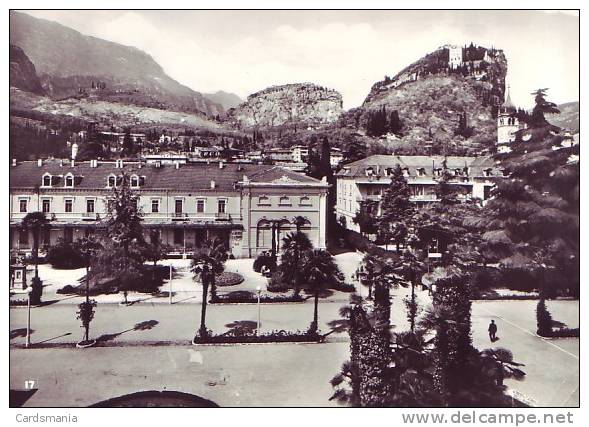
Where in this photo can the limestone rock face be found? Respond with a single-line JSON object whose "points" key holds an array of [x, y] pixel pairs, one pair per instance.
{"points": [[433, 93], [288, 104]]}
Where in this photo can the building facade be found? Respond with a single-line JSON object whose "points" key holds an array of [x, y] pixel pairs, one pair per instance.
{"points": [[244, 205], [368, 179]]}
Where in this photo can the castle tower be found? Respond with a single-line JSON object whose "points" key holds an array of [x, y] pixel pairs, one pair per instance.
{"points": [[454, 56], [507, 122]]}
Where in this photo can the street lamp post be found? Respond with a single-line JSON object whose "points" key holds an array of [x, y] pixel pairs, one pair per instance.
{"points": [[259, 289], [170, 284], [28, 341]]}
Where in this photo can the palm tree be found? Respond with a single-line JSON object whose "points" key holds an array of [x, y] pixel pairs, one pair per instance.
{"points": [[506, 366], [295, 248], [35, 221], [208, 261], [319, 271], [299, 221]]}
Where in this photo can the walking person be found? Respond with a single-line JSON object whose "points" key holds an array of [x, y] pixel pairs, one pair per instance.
{"points": [[492, 331]]}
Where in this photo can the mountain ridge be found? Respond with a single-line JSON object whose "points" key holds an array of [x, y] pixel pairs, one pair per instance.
{"points": [[86, 62]]}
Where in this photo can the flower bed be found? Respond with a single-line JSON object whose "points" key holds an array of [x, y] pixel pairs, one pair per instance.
{"points": [[228, 279], [249, 337], [245, 297]]}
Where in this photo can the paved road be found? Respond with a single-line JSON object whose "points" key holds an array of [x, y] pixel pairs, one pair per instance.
{"points": [[246, 375], [552, 366]]}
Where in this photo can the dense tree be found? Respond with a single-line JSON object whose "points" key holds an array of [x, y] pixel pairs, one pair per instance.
{"points": [[128, 145], [396, 209], [122, 255], [356, 150], [543, 319], [365, 217], [532, 219], [450, 318], [541, 108]]}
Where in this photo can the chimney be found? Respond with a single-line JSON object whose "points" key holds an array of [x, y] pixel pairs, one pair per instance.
{"points": [[212, 183], [177, 164], [60, 162], [73, 163], [40, 162], [13, 162], [245, 179], [221, 164]]}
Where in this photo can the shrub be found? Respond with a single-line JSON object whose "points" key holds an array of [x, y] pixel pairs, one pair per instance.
{"points": [[36, 290], [543, 319], [264, 259], [344, 287], [67, 289], [276, 284], [228, 279], [486, 278], [64, 255]]}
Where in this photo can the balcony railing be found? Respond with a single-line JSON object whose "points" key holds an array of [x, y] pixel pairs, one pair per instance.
{"points": [[222, 216], [179, 216], [90, 216]]}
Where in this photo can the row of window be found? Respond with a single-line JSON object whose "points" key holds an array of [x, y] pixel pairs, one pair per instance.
{"points": [[91, 203], [422, 172], [23, 205], [49, 180], [284, 201]]}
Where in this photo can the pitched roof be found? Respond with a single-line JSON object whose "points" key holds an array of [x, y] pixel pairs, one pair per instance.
{"points": [[188, 177], [381, 162]]}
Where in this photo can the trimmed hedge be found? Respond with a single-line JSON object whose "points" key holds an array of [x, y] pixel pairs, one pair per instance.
{"points": [[242, 297], [249, 337], [564, 333]]}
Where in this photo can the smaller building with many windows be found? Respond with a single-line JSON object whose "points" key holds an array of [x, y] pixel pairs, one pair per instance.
{"points": [[367, 180]]}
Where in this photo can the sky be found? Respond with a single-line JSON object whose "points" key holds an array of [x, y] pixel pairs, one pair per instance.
{"points": [[246, 51]]}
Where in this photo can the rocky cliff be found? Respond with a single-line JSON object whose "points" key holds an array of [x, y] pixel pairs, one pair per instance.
{"points": [[304, 103], [23, 74], [441, 103]]}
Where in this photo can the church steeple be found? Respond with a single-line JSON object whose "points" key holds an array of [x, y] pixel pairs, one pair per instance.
{"points": [[507, 103], [507, 122]]}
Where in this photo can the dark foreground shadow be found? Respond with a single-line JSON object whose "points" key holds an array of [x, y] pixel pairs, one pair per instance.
{"points": [[156, 399], [20, 332], [141, 326], [19, 397]]}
